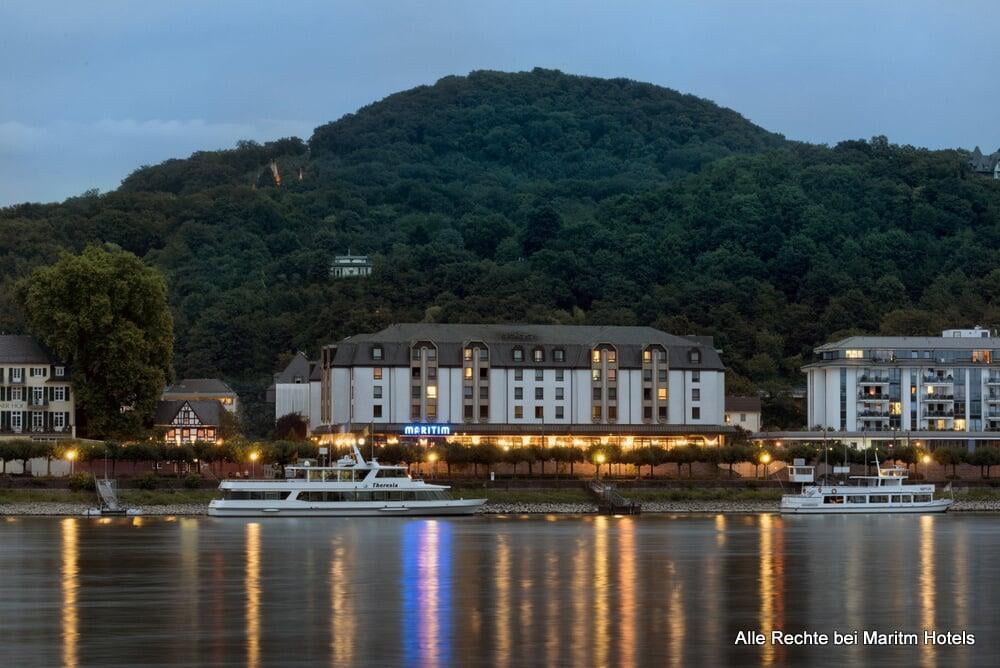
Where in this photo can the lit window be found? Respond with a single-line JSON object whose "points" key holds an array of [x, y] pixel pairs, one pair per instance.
{"points": [[539, 355], [596, 374], [596, 356], [981, 356], [468, 373], [661, 393], [518, 412], [896, 408], [377, 373], [432, 392], [468, 354], [612, 374], [612, 357], [647, 355], [854, 354]]}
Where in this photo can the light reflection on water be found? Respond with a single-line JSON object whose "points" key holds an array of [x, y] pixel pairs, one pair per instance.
{"points": [[596, 591]]}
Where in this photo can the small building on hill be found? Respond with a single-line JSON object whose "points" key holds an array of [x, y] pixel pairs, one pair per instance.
{"points": [[187, 421], [987, 165], [743, 412], [350, 266], [203, 389]]}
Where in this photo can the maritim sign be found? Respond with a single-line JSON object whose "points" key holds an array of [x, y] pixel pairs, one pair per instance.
{"points": [[419, 429]]}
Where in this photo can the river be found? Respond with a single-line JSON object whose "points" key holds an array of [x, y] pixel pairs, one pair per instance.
{"points": [[502, 591]]}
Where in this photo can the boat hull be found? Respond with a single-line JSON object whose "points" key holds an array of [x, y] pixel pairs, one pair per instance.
{"points": [[936, 506], [224, 508]]}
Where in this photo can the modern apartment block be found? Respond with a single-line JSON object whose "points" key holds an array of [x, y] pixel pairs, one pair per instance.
{"points": [[945, 387], [529, 382], [36, 395]]}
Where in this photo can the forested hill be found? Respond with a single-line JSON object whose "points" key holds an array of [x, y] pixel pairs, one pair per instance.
{"points": [[542, 197]]}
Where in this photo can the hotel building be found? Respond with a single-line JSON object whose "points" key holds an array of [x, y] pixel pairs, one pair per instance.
{"points": [[944, 388], [36, 396], [564, 384]]}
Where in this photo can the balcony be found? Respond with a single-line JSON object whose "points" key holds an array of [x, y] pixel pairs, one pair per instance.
{"points": [[993, 380], [938, 380], [937, 397], [866, 379], [862, 396], [938, 414]]}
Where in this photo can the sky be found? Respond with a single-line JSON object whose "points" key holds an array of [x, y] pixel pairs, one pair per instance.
{"points": [[89, 91]]}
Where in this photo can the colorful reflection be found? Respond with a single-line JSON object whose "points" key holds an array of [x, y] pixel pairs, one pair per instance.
{"points": [[427, 596], [70, 555], [342, 617], [926, 586], [772, 582]]}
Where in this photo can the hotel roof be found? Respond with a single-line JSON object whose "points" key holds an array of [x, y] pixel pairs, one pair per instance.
{"points": [[914, 342], [23, 349]]}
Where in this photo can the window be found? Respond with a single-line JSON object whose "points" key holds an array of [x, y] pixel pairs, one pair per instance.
{"points": [[539, 374], [484, 392], [39, 372], [595, 374], [980, 356], [695, 413], [432, 411], [539, 355], [647, 412], [661, 375], [854, 354], [595, 356], [377, 373], [612, 394], [612, 412], [432, 392], [661, 393], [518, 412], [694, 357], [468, 373], [415, 354], [484, 373], [539, 412], [743, 417], [559, 394], [16, 375], [647, 376], [559, 355], [38, 396], [559, 412], [539, 393], [432, 353], [376, 391], [662, 412], [377, 353], [37, 420], [647, 355], [518, 374], [15, 420], [696, 376], [467, 412], [15, 394], [647, 394], [60, 371], [612, 374], [58, 394], [484, 354], [432, 372], [597, 394], [518, 354], [612, 357], [59, 420], [467, 354], [518, 393], [559, 376], [415, 392], [377, 410], [415, 372], [695, 394], [484, 412], [595, 412], [467, 392]]}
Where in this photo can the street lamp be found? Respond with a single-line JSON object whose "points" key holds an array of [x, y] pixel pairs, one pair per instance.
{"points": [[71, 456], [600, 460], [432, 458], [253, 463], [765, 458]]}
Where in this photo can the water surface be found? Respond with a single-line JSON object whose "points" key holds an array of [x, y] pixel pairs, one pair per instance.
{"points": [[582, 591]]}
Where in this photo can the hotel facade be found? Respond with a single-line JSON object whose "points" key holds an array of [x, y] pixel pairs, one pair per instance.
{"points": [[36, 395], [938, 389], [533, 384]]}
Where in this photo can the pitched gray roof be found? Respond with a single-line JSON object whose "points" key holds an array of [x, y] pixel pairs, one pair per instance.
{"points": [[23, 349], [198, 386], [209, 411], [746, 404], [576, 340], [298, 366], [914, 342]]}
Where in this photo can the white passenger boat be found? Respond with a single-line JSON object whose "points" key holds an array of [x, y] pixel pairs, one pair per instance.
{"points": [[882, 493], [351, 487]]}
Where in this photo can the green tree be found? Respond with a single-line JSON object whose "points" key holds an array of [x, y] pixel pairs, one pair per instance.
{"points": [[105, 314]]}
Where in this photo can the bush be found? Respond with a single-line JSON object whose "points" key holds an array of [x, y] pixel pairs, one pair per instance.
{"points": [[192, 481], [146, 481], [82, 482]]}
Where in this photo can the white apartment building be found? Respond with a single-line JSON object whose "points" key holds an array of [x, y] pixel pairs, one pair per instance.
{"points": [[518, 381], [296, 390], [945, 387], [36, 395]]}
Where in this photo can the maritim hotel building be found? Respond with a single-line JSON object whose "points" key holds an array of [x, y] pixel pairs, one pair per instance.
{"points": [[533, 384], [942, 390]]}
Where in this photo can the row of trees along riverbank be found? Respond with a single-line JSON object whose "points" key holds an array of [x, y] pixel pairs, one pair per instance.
{"points": [[689, 461]]}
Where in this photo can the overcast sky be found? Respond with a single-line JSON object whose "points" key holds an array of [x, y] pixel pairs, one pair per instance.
{"points": [[91, 90]]}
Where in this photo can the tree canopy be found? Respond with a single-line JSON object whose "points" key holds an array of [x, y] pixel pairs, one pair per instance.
{"points": [[105, 314]]}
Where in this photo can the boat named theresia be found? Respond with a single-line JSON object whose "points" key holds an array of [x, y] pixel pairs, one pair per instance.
{"points": [[351, 487]]}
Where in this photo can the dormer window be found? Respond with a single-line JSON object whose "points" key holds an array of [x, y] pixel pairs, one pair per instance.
{"points": [[647, 355], [559, 355], [518, 354], [377, 353], [467, 354], [612, 357], [60, 371], [538, 354], [694, 357], [595, 356]]}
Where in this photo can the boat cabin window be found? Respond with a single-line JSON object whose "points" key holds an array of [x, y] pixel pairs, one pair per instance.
{"points": [[878, 498], [392, 473], [380, 495], [239, 495], [922, 498], [833, 499], [857, 498]]}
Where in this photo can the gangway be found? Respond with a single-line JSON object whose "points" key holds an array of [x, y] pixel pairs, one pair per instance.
{"points": [[610, 501], [107, 490]]}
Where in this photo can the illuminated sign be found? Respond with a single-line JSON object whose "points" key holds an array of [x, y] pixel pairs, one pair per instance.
{"points": [[427, 430]]}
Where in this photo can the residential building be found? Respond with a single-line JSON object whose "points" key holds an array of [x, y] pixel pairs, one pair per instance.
{"points": [[36, 392], [944, 388], [188, 420], [563, 384], [743, 412], [203, 389], [296, 389], [350, 266]]}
